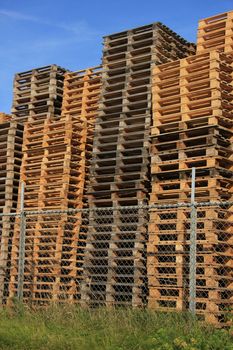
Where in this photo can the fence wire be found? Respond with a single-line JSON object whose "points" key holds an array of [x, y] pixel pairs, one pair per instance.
{"points": [[169, 257]]}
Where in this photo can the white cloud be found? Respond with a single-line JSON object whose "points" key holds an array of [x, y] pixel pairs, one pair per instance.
{"points": [[78, 28], [69, 34], [17, 16]]}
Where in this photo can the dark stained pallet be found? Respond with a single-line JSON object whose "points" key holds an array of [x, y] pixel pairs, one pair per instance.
{"points": [[11, 155], [119, 177]]}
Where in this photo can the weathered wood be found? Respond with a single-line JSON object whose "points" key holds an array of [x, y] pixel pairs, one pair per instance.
{"points": [[120, 163], [192, 127], [57, 150]]}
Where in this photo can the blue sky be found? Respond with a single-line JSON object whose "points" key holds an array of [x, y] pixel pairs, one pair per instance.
{"points": [[69, 32]]}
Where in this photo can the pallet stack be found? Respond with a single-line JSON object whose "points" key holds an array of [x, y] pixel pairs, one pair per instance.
{"points": [[87, 142], [36, 104], [114, 266], [80, 104], [11, 136], [192, 127], [55, 241], [38, 94], [216, 32]]}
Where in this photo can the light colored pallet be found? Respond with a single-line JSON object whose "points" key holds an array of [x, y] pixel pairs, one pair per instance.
{"points": [[215, 32], [66, 148], [216, 20]]}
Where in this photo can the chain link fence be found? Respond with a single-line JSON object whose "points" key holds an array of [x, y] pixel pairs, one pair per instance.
{"points": [[167, 257], [189, 259]]}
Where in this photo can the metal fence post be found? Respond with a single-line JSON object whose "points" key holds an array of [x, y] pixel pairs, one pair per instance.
{"points": [[193, 249], [21, 245]]}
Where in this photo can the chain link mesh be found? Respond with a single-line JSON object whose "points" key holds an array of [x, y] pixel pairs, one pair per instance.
{"points": [[122, 256]]}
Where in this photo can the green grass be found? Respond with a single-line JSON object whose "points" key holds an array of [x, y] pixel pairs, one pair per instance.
{"points": [[64, 328]]}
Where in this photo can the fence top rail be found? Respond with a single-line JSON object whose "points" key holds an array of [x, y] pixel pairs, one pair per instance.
{"points": [[120, 208], [10, 214]]}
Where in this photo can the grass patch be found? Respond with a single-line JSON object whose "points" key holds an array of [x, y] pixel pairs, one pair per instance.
{"points": [[71, 328]]}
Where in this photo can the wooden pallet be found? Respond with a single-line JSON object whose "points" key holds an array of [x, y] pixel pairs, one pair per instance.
{"points": [[212, 311], [207, 188], [183, 93], [168, 260], [119, 167], [57, 153], [11, 136], [216, 33], [53, 257], [38, 93], [191, 113], [115, 258]]}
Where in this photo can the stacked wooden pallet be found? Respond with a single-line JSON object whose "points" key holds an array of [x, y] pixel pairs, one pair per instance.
{"points": [[81, 102], [37, 103], [115, 268], [38, 93], [11, 135], [192, 127], [11, 142], [216, 32], [4, 117], [54, 242]]}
